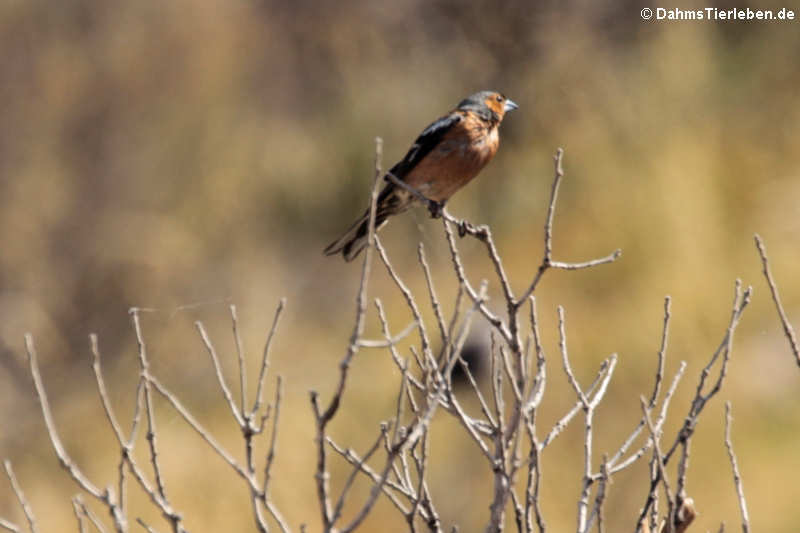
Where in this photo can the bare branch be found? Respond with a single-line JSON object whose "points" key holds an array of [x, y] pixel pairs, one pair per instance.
{"points": [[79, 504], [101, 388], [547, 259], [478, 394], [337, 511], [412, 303], [562, 344], [600, 497], [195, 425], [274, 437], [662, 351], [151, 429], [787, 327], [657, 455], [79, 516], [388, 487], [662, 416], [389, 342], [737, 478], [493, 319], [265, 357], [145, 526], [437, 310], [410, 436], [653, 398], [271, 457], [324, 417], [9, 526], [23, 502], [740, 302], [63, 457], [484, 234], [562, 423], [240, 357], [610, 258], [607, 370], [226, 392]]}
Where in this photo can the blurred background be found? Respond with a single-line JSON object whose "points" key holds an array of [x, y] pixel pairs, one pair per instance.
{"points": [[184, 156]]}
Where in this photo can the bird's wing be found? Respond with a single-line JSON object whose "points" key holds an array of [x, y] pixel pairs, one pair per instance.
{"points": [[425, 143]]}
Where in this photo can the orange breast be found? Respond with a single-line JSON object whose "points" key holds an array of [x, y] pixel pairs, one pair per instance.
{"points": [[458, 158]]}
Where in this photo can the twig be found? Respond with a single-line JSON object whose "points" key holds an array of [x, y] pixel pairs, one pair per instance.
{"points": [[274, 437], [127, 460], [9, 526], [23, 502], [145, 526], [351, 457], [547, 259], [160, 497], [422, 497], [437, 310], [101, 388], [562, 344], [126, 446], [265, 357], [151, 429], [389, 342], [659, 378], [662, 416], [412, 303], [337, 511], [787, 327], [199, 429], [322, 418], [740, 301], [600, 497], [492, 318], [410, 436], [78, 502], [564, 421], [226, 392], [79, 516], [276, 515], [662, 351], [63, 458], [606, 371], [737, 478], [240, 356], [662, 473]]}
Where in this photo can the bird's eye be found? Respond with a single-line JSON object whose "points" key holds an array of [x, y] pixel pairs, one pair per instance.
{"points": [[499, 98]]}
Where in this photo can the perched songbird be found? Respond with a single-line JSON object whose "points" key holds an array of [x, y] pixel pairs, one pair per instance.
{"points": [[444, 158]]}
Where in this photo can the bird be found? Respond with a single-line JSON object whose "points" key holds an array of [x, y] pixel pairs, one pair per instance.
{"points": [[447, 155]]}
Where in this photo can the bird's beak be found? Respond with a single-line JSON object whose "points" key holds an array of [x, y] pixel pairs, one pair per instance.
{"points": [[509, 106]]}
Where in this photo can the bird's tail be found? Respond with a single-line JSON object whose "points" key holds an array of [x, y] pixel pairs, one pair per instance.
{"points": [[356, 237]]}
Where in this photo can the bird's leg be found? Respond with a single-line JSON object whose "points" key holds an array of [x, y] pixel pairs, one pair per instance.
{"points": [[436, 208], [465, 227]]}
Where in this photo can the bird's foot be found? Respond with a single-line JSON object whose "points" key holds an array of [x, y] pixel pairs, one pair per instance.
{"points": [[436, 208]]}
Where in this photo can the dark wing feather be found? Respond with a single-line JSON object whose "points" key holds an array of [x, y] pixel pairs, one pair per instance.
{"points": [[423, 145]]}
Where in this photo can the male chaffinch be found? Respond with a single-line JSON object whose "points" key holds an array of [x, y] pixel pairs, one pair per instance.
{"points": [[447, 155]]}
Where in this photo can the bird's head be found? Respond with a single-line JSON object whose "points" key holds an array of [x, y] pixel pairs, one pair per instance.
{"points": [[491, 103]]}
